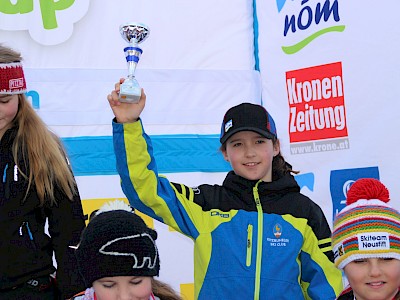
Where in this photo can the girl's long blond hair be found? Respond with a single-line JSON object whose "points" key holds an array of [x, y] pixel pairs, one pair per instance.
{"points": [[39, 149]]}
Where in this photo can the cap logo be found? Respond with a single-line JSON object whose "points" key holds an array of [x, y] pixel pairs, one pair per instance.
{"points": [[151, 261], [228, 125], [373, 241]]}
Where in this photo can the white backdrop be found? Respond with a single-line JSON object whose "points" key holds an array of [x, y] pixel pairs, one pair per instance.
{"points": [[356, 44], [198, 61]]}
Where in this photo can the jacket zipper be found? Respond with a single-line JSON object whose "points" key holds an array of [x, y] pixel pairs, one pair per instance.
{"points": [[249, 244], [260, 221]]}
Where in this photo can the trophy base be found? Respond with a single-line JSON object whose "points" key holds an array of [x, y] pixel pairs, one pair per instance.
{"points": [[130, 91]]}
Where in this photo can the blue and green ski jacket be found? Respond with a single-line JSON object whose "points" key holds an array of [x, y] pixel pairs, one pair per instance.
{"points": [[252, 240]]}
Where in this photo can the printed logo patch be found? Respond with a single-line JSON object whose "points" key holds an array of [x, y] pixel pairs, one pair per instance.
{"points": [[278, 241], [338, 251], [373, 241], [16, 83], [277, 230], [217, 213], [228, 125]]}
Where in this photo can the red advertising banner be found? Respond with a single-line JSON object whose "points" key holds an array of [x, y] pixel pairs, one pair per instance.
{"points": [[316, 103]]}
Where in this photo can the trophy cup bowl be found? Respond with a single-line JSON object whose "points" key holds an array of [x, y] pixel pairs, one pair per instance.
{"points": [[134, 34]]}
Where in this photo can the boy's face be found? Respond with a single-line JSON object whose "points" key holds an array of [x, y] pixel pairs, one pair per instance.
{"points": [[374, 278], [123, 287], [250, 155]]}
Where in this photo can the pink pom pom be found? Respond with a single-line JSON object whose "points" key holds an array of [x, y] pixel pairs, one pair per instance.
{"points": [[367, 188]]}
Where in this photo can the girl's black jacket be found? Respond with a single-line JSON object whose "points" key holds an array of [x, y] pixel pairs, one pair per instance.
{"points": [[26, 251]]}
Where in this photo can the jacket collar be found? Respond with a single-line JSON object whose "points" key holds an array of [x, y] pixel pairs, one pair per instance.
{"points": [[243, 188]]}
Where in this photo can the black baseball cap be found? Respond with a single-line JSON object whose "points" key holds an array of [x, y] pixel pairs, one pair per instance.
{"points": [[247, 116]]}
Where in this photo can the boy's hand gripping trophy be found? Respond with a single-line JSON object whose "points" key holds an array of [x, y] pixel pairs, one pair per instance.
{"points": [[133, 33]]}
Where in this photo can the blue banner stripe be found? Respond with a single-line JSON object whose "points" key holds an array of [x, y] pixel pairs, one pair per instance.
{"points": [[94, 155]]}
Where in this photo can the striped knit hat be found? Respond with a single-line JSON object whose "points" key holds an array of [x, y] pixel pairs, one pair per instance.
{"points": [[367, 227]]}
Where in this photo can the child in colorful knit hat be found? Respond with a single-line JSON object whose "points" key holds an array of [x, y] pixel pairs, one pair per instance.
{"points": [[118, 257], [366, 243]]}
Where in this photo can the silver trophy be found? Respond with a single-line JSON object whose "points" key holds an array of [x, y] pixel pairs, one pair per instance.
{"points": [[134, 34]]}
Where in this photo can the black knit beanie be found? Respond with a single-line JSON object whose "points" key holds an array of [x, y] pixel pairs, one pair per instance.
{"points": [[117, 242]]}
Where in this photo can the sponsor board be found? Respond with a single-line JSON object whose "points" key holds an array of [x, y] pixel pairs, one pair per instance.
{"points": [[48, 22], [304, 21], [317, 112]]}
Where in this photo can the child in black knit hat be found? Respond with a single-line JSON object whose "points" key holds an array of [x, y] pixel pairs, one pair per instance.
{"points": [[118, 257]]}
